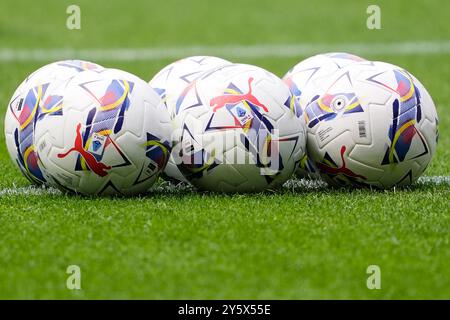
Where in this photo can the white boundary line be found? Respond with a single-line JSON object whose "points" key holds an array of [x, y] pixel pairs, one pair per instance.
{"points": [[28, 191], [436, 180], [318, 184], [293, 183], [237, 51]]}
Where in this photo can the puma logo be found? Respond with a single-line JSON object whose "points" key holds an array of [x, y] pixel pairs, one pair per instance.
{"points": [[220, 101], [97, 167], [342, 170]]}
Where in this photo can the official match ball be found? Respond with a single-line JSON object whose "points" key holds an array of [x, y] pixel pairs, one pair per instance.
{"points": [[172, 80], [303, 81], [33, 99], [241, 130], [372, 124], [170, 84], [107, 134]]}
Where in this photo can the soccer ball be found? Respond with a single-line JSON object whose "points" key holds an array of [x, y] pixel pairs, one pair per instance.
{"points": [[302, 80], [315, 68], [371, 124], [173, 79], [30, 100], [110, 135], [241, 130], [170, 83]]}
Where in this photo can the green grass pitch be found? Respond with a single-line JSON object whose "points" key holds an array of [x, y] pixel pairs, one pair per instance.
{"points": [[304, 241]]}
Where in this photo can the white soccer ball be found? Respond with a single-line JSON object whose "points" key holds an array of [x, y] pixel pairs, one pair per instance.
{"points": [[110, 136], [170, 84], [241, 130], [304, 80], [372, 124], [31, 99]]}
